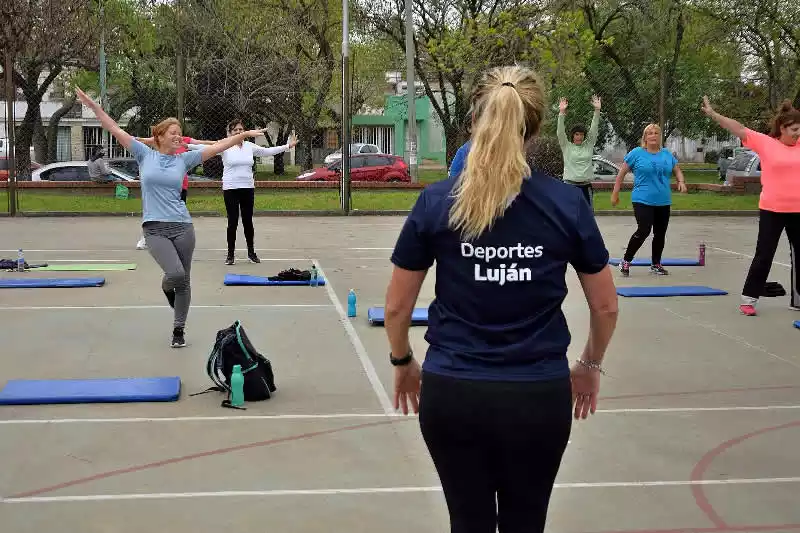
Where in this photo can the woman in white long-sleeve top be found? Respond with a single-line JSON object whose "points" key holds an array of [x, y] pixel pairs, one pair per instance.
{"points": [[238, 186]]}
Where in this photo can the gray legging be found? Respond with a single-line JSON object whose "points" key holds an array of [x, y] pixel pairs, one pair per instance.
{"points": [[172, 244]]}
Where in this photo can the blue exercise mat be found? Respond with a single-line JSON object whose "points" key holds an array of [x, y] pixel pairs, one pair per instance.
{"points": [[243, 279], [797, 324], [419, 316], [664, 262], [117, 390], [689, 290], [42, 283]]}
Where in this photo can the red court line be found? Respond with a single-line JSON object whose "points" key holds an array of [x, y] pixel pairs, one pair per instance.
{"points": [[726, 529], [705, 461], [698, 392], [200, 455]]}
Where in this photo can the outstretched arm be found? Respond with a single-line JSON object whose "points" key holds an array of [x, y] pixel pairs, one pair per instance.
{"points": [[123, 137], [560, 131], [266, 151], [591, 137], [729, 124], [223, 144]]}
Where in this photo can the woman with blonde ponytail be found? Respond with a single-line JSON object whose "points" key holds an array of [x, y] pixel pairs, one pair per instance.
{"points": [[496, 394]]}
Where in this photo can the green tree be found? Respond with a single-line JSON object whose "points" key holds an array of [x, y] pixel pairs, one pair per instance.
{"points": [[456, 41]]}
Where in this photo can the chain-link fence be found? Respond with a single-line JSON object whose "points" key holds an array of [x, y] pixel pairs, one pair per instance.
{"points": [[278, 64]]}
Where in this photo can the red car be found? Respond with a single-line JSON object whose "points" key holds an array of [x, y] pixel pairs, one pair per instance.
{"points": [[4, 168], [371, 167]]}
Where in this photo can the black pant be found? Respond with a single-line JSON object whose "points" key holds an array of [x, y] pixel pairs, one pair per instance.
{"points": [[237, 200], [649, 217], [497, 447], [770, 228], [587, 190]]}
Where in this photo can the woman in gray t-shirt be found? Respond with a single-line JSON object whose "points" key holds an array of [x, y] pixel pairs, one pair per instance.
{"points": [[165, 218]]}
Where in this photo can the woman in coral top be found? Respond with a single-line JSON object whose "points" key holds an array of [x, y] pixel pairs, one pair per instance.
{"points": [[779, 205]]}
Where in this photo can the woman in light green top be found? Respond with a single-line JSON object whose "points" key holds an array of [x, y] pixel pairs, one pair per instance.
{"points": [[578, 149]]}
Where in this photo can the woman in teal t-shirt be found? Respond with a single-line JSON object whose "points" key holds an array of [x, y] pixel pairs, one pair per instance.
{"points": [[653, 167]]}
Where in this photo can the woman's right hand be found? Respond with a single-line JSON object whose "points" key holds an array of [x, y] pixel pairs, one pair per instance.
{"points": [[706, 107], [615, 198], [562, 105]]}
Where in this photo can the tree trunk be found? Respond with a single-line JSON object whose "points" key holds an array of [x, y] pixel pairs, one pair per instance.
{"points": [[279, 162], [52, 129], [24, 141]]}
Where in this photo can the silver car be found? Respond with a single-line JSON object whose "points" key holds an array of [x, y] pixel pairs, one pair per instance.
{"points": [[746, 163]]}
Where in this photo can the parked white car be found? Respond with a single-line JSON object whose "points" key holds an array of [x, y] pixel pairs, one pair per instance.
{"points": [[73, 171], [355, 149], [605, 170]]}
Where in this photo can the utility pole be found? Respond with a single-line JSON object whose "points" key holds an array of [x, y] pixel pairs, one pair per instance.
{"points": [[103, 76], [344, 183], [180, 70], [411, 93], [10, 99]]}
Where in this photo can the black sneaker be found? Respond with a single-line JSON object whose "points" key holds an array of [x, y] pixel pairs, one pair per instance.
{"points": [[253, 257], [625, 268], [229, 260], [170, 297], [658, 270], [178, 341]]}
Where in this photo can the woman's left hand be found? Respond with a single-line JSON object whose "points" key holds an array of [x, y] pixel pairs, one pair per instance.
{"points": [[292, 140], [682, 187], [407, 381]]}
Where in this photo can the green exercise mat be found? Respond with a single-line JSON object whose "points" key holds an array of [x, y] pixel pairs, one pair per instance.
{"points": [[89, 267]]}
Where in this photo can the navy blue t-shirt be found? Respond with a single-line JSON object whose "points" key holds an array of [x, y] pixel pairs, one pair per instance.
{"points": [[497, 308]]}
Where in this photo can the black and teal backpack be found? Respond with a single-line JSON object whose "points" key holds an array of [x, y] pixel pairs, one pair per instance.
{"points": [[233, 347]]}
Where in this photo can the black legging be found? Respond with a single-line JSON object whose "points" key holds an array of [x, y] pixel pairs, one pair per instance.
{"points": [[649, 217], [497, 447], [237, 200], [770, 228]]}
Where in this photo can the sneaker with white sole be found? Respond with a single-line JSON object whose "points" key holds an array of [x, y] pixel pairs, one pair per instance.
{"points": [[142, 244], [178, 340], [659, 270]]}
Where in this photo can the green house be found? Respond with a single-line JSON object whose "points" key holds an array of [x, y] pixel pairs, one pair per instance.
{"points": [[388, 130]]}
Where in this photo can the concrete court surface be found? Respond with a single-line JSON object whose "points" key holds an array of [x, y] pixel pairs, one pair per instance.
{"points": [[698, 428]]}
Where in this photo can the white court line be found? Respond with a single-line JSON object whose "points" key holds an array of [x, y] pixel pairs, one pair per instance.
{"points": [[133, 307], [732, 337], [375, 490], [134, 250], [747, 255], [366, 362], [250, 418]]}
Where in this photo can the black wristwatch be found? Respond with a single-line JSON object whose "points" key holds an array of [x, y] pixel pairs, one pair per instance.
{"points": [[402, 361]]}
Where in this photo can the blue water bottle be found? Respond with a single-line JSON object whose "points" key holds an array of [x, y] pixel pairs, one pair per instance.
{"points": [[351, 303], [20, 261], [237, 386], [314, 276]]}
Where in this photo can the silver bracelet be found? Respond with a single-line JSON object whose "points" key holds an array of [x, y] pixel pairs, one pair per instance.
{"points": [[591, 365]]}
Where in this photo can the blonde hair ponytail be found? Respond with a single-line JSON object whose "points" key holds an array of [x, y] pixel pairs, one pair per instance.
{"points": [[509, 106]]}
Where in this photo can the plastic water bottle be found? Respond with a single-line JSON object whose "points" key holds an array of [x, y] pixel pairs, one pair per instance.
{"points": [[20, 261], [237, 386], [351, 303], [702, 254], [314, 276]]}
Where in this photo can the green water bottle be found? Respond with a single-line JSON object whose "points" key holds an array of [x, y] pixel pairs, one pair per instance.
{"points": [[237, 386]]}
